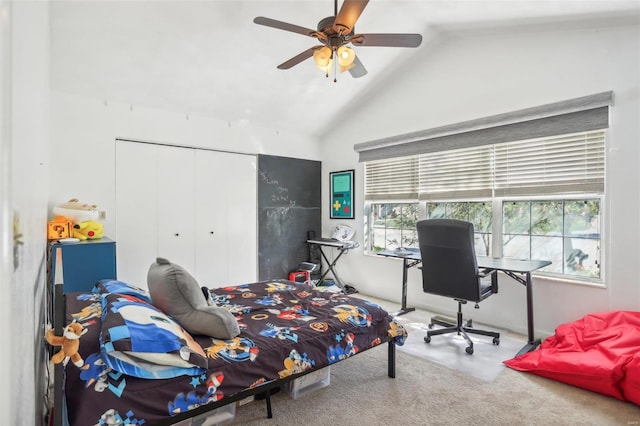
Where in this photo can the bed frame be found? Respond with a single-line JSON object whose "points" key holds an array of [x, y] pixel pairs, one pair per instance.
{"points": [[261, 392]]}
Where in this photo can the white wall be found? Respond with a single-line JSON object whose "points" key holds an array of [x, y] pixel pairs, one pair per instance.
{"points": [[474, 75], [25, 102], [83, 145], [6, 249]]}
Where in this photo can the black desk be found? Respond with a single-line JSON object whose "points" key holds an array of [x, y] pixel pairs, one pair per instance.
{"points": [[343, 247], [410, 258], [519, 270]]}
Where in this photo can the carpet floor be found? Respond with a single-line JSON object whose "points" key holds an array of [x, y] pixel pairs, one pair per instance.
{"points": [[428, 392]]}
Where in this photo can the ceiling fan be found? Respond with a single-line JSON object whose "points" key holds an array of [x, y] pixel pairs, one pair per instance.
{"points": [[336, 33]]}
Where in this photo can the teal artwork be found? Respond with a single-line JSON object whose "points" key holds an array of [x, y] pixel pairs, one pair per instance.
{"points": [[342, 194]]}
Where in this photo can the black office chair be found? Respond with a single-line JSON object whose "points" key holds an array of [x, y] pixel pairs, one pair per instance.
{"points": [[449, 268]]}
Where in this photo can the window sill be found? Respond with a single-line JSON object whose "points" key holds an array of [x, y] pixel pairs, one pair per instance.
{"points": [[570, 281]]}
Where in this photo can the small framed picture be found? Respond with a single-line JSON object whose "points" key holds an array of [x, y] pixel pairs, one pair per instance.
{"points": [[342, 196]]}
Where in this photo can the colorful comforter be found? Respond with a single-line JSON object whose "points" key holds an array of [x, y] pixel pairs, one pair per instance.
{"points": [[286, 328]]}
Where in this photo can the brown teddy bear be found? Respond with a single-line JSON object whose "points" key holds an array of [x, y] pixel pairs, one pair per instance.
{"points": [[70, 342]]}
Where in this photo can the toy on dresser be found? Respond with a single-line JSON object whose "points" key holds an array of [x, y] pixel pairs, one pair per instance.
{"points": [[58, 228], [74, 219], [88, 230]]}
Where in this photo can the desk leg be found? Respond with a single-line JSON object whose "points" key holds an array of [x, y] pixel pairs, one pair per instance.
{"points": [[405, 268], [532, 343]]}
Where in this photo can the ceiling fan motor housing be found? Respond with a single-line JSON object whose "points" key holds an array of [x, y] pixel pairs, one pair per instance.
{"points": [[333, 37]]}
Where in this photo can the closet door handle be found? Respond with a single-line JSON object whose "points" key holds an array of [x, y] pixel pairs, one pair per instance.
{"points": [[176, 234], [212, 232]]}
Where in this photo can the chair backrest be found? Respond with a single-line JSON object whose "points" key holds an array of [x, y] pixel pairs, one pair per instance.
{"points": [[449, 266]]}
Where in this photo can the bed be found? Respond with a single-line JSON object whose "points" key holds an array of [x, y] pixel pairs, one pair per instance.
{"points": [[287, 330]]}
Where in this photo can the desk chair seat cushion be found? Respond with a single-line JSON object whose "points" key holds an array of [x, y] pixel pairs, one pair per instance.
{"points": [[600, 352]]}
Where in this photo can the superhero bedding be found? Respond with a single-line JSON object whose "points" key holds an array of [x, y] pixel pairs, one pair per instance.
{"points": [[142, 368]]}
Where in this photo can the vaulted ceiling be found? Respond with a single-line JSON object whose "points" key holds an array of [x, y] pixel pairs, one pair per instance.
{"points": [[208, 57]]}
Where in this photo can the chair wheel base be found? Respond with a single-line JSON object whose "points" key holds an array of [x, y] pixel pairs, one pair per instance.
{"points": [[496, 341], [469, 350], [427, 339]]}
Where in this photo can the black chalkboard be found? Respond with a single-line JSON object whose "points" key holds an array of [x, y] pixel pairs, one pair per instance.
{"points": [[289, 206]]}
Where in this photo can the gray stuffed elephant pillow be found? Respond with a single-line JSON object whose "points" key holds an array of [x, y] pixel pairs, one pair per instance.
{"points": [[176, 292]]}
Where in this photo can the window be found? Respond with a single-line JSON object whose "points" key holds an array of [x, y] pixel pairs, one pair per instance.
{"points": [[567, 232], [393, 225], [531, 181], [532, 199], [479, 213]]}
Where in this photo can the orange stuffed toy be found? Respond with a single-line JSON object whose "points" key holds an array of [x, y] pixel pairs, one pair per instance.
{"points": [[70, 342]]}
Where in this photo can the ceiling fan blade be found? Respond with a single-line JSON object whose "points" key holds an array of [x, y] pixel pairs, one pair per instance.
{"points": [[357, 70], [348, 15], [298, 58], [387, 40], [268, 22]]}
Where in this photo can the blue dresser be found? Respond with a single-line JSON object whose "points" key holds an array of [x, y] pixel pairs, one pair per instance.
{"points": [[84, 263]]}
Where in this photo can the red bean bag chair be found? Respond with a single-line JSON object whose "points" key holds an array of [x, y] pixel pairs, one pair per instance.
{"points": [[599, 352], [630, 386]]}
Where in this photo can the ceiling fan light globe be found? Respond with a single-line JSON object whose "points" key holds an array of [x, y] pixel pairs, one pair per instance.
{"points": [[322, 57], [346, 56], [326, 68]]}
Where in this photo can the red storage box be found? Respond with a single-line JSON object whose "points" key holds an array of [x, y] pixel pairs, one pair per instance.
{"points": [[299, 276]]}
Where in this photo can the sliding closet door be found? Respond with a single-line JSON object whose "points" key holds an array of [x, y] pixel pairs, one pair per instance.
{"points": [[226, 241], [195, 207], [176, 205], [136, 210]]}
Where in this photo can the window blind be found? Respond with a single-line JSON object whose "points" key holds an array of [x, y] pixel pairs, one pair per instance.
{"points": [[460, 173], [563, 164], [572, 163], [571, 116], [394, 179], [517, 153]]}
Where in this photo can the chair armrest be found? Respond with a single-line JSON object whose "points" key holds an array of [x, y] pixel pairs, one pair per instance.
{"points": [[494, 277], [486, 272]]}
